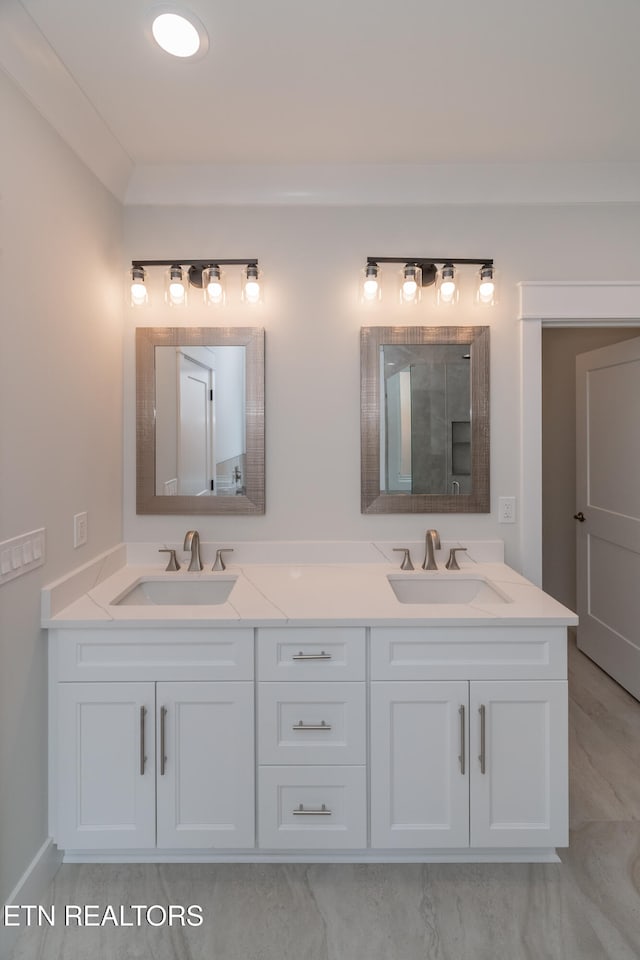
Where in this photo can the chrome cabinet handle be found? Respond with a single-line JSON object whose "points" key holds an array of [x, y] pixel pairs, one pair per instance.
{"points": [[323, 725], [163, 759], [462, 757], [483, 724], [311, 656], [310, 812], [143, 713]]}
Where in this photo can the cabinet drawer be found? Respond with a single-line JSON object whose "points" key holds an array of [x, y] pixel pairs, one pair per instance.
{"points": [[464, 653], [312, 808], [171, 654], [309, 723], [311, 653]]}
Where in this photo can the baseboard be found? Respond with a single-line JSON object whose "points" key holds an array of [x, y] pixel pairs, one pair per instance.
{"points": [[30, 888]]}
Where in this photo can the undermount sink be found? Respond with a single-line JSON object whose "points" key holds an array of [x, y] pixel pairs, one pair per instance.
{"points": [[443, 588], [179, 591]]}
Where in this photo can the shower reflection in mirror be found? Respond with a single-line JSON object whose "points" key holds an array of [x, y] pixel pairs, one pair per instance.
{"points": [[425, 418]]}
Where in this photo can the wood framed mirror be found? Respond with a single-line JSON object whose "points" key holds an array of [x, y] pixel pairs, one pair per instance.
{"points": [[424, 415], [200, 420]]}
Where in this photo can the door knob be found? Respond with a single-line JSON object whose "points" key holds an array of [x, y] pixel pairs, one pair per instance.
{"points": [[579, 516]]}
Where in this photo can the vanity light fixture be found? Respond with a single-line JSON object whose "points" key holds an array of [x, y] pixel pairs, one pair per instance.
{"points": [[419, 272], [205, 275]]}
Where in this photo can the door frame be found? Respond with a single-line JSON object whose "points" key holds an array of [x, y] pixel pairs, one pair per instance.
{"points": [[555, 303]]}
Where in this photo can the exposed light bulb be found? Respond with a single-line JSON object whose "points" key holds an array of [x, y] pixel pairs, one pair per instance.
{"points": [[410, 291], [214, 288], [214, 291], [176, 35], [487, 285], [251, 288], [370, 284], [448, 288], [138, 294], [176, 291]]}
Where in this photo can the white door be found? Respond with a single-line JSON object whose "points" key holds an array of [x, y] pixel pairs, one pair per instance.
{"points": [[106, 768], [206, 779], [608, 497], [419, 767], [518, 769], [195, 434]]}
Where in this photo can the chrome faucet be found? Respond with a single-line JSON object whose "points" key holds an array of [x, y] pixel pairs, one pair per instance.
{"points": [[432, 543], [192, 542]]}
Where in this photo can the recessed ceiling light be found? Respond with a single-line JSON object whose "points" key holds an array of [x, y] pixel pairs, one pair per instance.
{"points": [[179, 32]]}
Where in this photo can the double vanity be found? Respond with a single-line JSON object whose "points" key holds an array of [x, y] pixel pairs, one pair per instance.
{"points": [[310, 702]]}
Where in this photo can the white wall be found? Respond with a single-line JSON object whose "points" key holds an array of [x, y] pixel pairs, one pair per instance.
{"points": [[60, 425], [311, 258]]}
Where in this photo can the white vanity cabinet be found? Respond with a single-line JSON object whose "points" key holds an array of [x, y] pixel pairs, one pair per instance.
{"points": [[138, 764], [401, 742], [465, 762]]}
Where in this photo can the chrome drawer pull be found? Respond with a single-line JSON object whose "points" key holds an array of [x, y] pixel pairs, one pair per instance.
{"points": [[163, 758], [311, 726], [311, 656], [322, 812], [483, 739], [143, 713], [462, 757]]}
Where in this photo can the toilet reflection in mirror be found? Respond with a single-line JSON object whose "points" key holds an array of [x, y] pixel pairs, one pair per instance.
{"points": [[425, 419]]}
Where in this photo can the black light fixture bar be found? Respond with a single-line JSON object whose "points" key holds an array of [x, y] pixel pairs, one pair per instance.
{"points": [[428, 265], [200, 264]]}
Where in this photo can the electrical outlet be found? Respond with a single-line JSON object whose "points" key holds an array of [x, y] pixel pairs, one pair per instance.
{"points": [[79, 529], [507, 510]]}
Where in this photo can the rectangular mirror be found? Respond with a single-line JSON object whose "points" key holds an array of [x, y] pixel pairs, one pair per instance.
{"points": [[425, 419], [200, 420]]}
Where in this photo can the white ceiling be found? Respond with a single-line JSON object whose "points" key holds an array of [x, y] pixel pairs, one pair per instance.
{"points": [[295, 83]]}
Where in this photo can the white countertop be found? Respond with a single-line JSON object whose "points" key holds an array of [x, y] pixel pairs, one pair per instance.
{"points": [[307, 593]]}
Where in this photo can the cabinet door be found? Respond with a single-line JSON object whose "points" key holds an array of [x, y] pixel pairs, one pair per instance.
{"points": [[106, 766], [419, 779], [206, 779], [519, 787]]}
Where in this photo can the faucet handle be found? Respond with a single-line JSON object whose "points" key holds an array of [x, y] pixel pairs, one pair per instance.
{"points": [[406, 560], [173, 560], [219, 562], [452, 562]]}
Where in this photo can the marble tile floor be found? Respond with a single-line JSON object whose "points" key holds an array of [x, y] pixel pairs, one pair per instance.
{"points": [[586, 908]]}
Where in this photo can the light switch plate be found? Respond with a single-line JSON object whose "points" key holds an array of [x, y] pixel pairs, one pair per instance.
{"points": [[21, 554], [80, 529]]}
